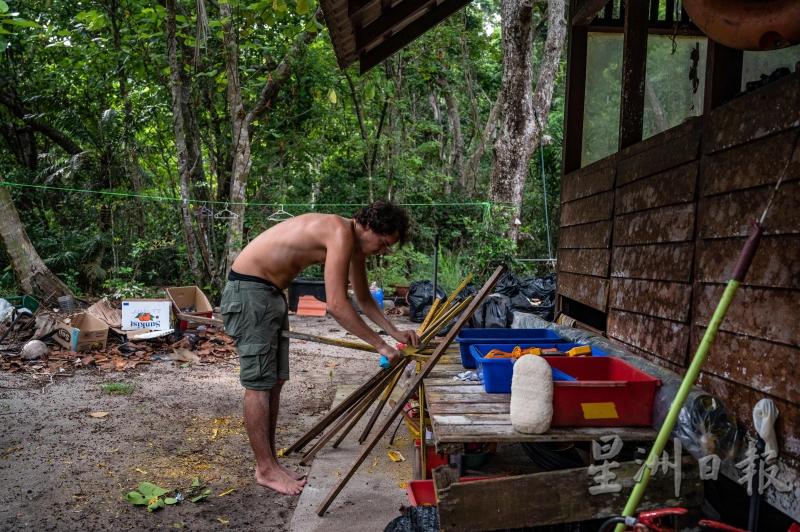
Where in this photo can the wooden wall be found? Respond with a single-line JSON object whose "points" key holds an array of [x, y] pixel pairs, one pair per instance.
{"points": [[649, 237]]}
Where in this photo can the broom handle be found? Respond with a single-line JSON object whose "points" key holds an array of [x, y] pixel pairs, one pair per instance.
{"points": [[739, 272]]}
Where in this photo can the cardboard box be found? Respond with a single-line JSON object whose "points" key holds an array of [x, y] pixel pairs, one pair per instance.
{"points": [[189, 300], [83, 332], [152, 314]]}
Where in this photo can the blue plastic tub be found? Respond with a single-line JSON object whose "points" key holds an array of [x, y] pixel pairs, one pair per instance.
{"points": [[469, 337], [496, 373]]}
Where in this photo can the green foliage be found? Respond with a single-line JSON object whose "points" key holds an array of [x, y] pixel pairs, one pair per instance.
{"points": [[110, 95], [118, 388]]}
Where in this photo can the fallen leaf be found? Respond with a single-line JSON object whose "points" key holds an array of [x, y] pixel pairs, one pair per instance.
{"points": [[222, 520], [282, 452], [226, 492], [403, 485], [395, 456], [98, 414], [142, 471]]}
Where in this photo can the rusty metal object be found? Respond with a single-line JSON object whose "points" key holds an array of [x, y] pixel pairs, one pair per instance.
{"points": [[747, 24]]}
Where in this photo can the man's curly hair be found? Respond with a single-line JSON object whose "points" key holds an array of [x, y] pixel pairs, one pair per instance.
{"points": [[384, 218]]}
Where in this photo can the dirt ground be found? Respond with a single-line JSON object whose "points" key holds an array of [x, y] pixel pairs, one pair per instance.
{"points": [[62, 469]]}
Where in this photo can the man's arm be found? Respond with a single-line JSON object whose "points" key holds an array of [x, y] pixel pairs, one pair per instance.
{"points": [[337, 263], [358, 278]]}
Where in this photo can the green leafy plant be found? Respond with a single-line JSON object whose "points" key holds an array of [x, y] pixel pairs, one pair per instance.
{"points": [[118, 388], [150, 495]]}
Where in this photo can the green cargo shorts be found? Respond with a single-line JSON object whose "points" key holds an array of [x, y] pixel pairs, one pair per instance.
{"points": [[254, 315]]}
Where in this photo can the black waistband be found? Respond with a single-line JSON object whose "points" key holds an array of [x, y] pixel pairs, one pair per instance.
{"points": [[236, 276]]}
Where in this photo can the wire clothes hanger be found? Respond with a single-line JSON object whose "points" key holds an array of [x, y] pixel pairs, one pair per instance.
{"points": [[225, 214], [205, 211], [280, 215]]}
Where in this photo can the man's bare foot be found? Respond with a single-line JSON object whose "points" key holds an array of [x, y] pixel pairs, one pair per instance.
{"points": [[292, 474], [279, 481]]}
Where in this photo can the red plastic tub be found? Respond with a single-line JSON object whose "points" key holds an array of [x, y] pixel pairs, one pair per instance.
{"points": [[606, 392], [432, 458]]}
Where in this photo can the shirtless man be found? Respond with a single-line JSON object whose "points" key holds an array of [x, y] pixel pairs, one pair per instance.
{"points": [[255, 311]]}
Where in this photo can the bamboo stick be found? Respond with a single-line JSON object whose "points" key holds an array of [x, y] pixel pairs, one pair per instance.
{"points": [[387, 421], [440, 323], [379, 407], [429, 316], [454, 294]]}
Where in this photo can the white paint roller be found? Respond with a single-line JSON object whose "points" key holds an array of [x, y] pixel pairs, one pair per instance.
{"points": [[531, 395]]}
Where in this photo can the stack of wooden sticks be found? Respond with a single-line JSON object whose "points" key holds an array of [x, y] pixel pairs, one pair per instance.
{"points": [[342, 418]]}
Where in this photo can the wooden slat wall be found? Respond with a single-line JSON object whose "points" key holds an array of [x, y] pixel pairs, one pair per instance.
{"points": [[587, 202], [748, 143], [680, 207]]}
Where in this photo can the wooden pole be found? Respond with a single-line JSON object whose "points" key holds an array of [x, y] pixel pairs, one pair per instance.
{"points": [[387, 421], [379, 408], [355, 412], [442, 321], [337, 411]]}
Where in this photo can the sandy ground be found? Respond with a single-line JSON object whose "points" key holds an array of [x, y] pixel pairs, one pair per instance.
{"points": [[62, 469]]}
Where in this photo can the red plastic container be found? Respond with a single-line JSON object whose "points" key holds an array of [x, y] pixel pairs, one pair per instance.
{"points": [[422, 492], [432, 458], [607, 392]]}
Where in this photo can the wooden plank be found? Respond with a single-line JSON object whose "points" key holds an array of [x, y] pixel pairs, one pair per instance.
{"points": [[766, 367], [446, 381], [577, 38], [471, 419], [740, 401], [586, 12], [634, 59], [663, 338], [666, 224], [506, 433], [590, 180], [678, 369], [770, 109], [776, 263], [590, 209], [750, 165], [664, 262], [666, 188], [732, 214], [468, 408], [673, 147], [412, 387], [592, 291], [585, 261], [662, 299], [455, 389], [409, 33], [388, 19], [763, 313], [452, 397], [593, 235], [723, 75], [556, 497]]}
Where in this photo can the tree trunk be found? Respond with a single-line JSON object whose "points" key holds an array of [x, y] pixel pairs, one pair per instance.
{"points": [[454, 117], [242, 123], [179, 124], [659, 116], [33, 275], [470, 174], [523, 112]]}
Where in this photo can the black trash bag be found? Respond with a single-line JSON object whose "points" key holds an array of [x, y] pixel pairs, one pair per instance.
{"points": [[494, 313], [508, 285], [420, 295], [469, 290], [415, 519], [521, 303], [543, 311], [542, 288]]}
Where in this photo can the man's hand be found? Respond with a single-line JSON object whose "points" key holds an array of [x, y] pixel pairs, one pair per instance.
{"points": [[407, 337], [390, 352]]}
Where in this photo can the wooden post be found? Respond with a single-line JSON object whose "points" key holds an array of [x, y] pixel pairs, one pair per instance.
{"points": [[437, 354], [577, 37], [634, 59]]}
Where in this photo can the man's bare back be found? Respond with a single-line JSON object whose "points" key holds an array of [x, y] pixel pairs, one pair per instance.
{"points": [[280, 253]]}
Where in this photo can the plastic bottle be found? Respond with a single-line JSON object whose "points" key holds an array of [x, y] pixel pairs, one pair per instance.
{"points": [[377, 294]]}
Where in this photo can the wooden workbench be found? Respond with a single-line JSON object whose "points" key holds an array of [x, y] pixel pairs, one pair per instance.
{"points": [[461, 412]]}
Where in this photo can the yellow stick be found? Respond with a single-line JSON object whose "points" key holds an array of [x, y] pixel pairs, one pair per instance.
{"points": [[429, 316], [453, 295], [439, 324]]}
